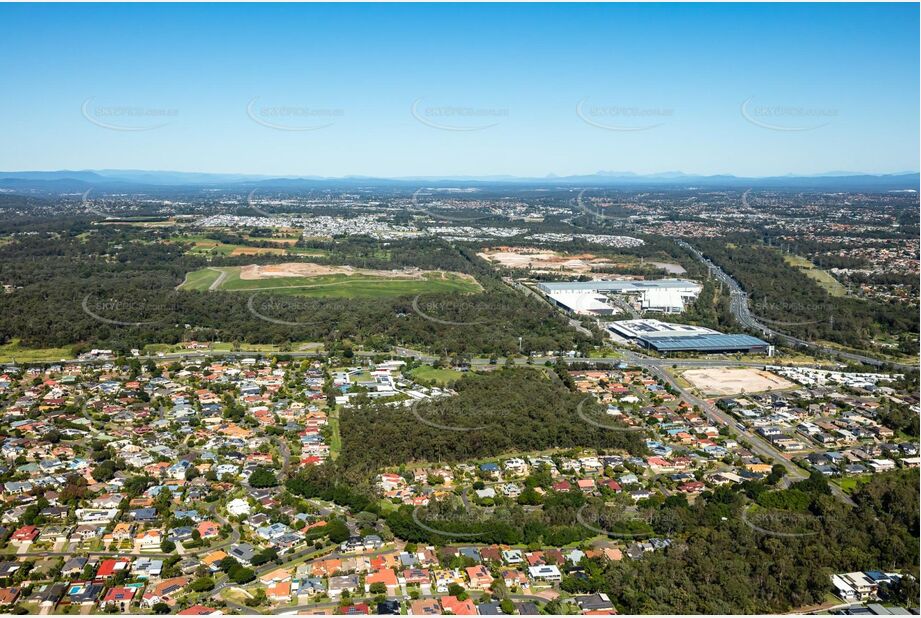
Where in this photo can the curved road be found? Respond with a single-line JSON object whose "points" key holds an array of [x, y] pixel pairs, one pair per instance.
{"points": [[738, 303]]}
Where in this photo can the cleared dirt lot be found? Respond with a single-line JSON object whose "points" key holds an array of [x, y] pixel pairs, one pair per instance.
{"points": [[734, 380], [544, 260], [257, 251], [306, 269]]}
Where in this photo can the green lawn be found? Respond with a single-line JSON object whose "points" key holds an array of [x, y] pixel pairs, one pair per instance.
{"points": [[200, 280], [305, 251], [822, 277], [12, 351], [335, 438], [336, 285], [267, 348], [426, 374], [202, 245], [850, 484]]}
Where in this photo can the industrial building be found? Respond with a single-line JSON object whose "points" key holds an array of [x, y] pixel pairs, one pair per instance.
{"points": [[583, 304], [665, 337], [663, 295]]}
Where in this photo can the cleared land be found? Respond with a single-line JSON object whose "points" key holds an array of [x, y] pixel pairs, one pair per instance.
{"points": [[430, 375], [306, 279], [822, 277], [543, 260], [734, 380], [202, 245], [13, 352], [547, 261], [200, 279]]}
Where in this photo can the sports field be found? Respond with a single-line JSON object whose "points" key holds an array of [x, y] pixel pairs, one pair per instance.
{"points": [[319, 281]]}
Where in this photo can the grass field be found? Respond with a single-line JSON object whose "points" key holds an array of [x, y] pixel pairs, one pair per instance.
{"points": [[335, 285], [265, 348], [430, 375], [12, 350], [823, 278], [200, 279], [335, 438], [202, 245], [850, 484]]}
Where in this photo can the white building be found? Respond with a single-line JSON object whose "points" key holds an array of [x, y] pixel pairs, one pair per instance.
{"points": [[238, 507], [665, 295]]}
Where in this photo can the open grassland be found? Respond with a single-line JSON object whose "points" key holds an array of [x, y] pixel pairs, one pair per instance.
{"points": [[822, 277], [427, 374], [12, 351], [202, 245], [264, 348], [338, 285], [200, 279]]}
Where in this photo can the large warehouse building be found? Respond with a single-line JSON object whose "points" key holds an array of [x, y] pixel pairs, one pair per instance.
{"points": [[665, 337], [665, 295]]}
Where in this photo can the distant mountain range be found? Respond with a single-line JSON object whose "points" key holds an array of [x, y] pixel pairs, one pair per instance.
{"points": [[66, 181]]}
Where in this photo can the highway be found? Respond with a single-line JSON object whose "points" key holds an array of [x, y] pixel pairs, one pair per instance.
{"points": [[741, 311]]}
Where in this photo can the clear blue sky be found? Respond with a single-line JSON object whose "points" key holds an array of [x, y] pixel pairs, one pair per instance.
{"points": [[844, 77]]}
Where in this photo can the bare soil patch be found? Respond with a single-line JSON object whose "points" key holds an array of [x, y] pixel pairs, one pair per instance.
{"points": [[734, 380], [258, 251], [255, 272], [545, 260]]}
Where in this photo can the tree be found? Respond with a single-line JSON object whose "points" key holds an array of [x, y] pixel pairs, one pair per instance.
{"points": [[167, 546], [105, 471], [202, 584], [266, 555], [161, 608], [338, 531], [263, 477], [242, 575], [378, 588]]}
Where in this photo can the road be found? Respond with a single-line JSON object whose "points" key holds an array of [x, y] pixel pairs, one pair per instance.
{"points": [[217, 283], [720, 418], [576, 324], [625, 306], [293, 609], [741, 311]]}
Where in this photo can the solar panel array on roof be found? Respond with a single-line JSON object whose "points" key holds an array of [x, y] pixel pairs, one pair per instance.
{"points": [[618, 286], [711, 343]]}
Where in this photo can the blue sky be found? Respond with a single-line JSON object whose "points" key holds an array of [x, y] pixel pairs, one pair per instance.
{"points": [[444, 90]]}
